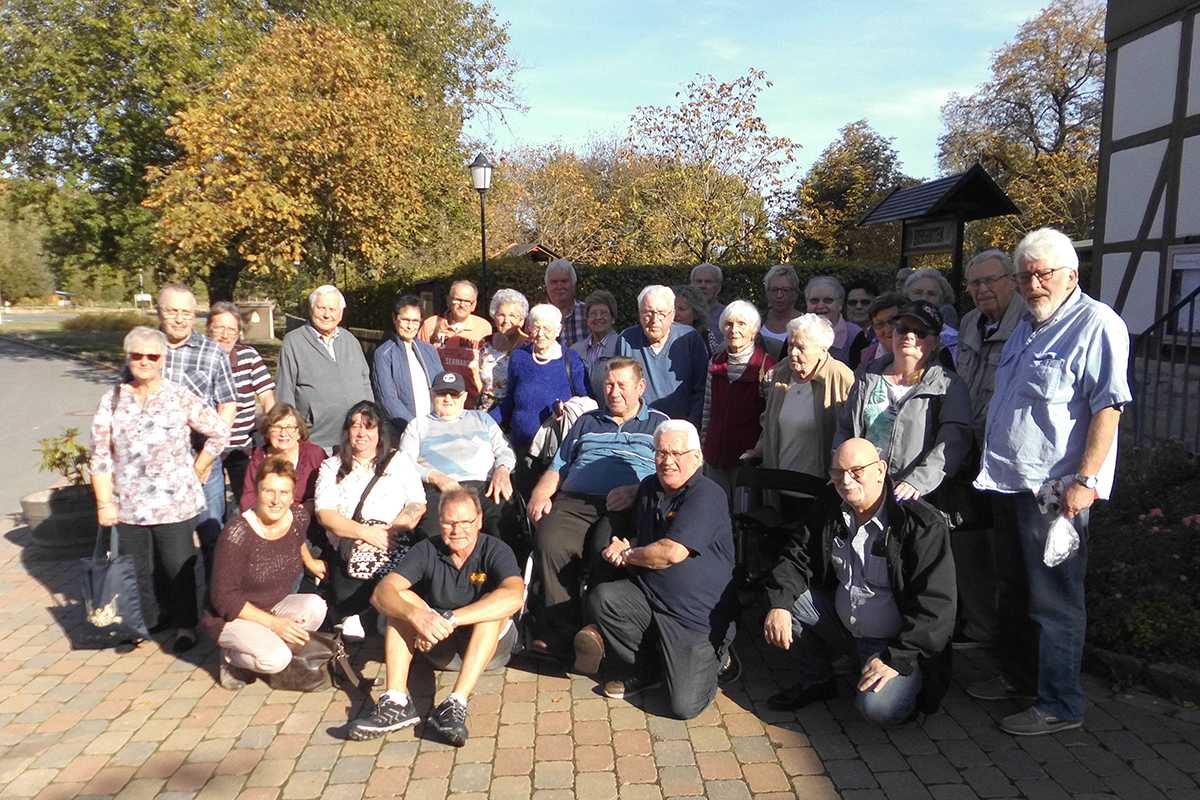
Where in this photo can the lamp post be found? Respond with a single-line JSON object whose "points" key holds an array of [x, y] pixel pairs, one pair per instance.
{"points": [[481, 176]]}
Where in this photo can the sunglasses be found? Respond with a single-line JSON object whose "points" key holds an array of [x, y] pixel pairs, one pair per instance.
{"points": [[904, 329], [151, 357]]}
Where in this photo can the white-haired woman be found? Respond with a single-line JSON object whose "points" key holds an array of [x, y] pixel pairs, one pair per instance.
{"points": [[804, 399], [508, 310], [600, 344], [733, 403], [909, 406], [783, 289], [539, 374], [826, 296], [148, 482]]}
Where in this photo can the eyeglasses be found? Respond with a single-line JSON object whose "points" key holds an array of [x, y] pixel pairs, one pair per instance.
{"points": [[462, 301], [408, 320], [651, 315], [177, 313], [458, 524], [855, 472], [858, 302], [222, 331], [671, 455], [779, 291], [989, 281], [887, 324], [1042, 275], [153, 358], [285, 430], [905, 329], [538, 330]]}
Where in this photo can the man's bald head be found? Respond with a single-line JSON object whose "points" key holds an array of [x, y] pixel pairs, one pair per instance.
{"points": [[859, 475]]}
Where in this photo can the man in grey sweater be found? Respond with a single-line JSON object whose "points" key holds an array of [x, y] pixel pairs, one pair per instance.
{"points": [[322, 370]]}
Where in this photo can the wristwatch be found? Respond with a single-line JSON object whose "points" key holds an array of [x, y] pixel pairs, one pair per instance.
{"points": [[449, 615], [1087, 481]]}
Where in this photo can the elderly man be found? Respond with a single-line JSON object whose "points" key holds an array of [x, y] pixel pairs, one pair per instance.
{"points": [[199, 363], [871, 578], [404, 366], [586, 494], [451, 598], [322, 370], [457, 334], [560, 288], [1052, 429], [673, 618], [453, 448], [673, 356], [708, 279]]}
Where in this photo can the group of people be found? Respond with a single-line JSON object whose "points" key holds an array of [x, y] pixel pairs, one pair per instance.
{"points": [[379, 493]]}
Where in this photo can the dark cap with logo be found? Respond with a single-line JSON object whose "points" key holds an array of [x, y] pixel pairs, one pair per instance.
{"points": [[449, 382]]}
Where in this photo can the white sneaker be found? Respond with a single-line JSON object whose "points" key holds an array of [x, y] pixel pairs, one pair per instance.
{"points": [[352, 628]]}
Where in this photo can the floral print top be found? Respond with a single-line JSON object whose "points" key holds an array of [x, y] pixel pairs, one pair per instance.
{"points": [[148, 451], [493, 374]]}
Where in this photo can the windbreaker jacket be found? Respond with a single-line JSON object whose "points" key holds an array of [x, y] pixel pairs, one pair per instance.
{"points": [[979, 357]]}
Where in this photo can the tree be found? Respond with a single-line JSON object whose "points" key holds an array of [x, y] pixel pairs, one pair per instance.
{"points": [[1035, 126], [318, 150], [23, 263], [706, 172], [851, 176]]}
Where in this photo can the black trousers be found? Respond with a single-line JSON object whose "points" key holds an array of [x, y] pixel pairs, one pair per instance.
{"points": [[165, 552]]}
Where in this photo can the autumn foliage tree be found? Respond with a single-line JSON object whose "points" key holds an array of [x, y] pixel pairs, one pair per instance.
{"points": [[318, 151], [1035, 126]]}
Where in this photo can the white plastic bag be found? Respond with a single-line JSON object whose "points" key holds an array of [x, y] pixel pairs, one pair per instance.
{"points": [[1061, 543]]}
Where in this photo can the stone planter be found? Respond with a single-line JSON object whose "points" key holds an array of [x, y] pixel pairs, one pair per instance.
{"points": [[63, 521]]}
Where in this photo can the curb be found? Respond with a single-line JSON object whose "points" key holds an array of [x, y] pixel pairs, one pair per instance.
{"points": [[1175, 682]]}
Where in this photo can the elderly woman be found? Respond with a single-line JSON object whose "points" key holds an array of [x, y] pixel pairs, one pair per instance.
{"points": [[369, 502], [147, 481], [252, 613], [509, 309], [539, 374], [600, 310], [286, 435], [882, 312], [250, 377], [733, 403], [931, 286], [910, 407], [783, 289], [805, 397], [825, 296], [691, 308]]}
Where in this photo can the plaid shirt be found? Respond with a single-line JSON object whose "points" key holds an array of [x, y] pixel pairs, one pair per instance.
{"points": [[574, 325], [201, 365]]}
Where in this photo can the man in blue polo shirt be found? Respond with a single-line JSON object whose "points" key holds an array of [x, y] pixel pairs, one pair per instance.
{"points": [[672, 619], [673, 356], [586, 495], [451, 598]]}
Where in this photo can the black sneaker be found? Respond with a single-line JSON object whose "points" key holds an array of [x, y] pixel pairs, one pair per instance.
{"points": [[387, 716], [630, 686], [732, 669], [449, 722]]}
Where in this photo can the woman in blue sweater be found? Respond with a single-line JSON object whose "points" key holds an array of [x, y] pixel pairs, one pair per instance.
{"points": [[539, 374]]}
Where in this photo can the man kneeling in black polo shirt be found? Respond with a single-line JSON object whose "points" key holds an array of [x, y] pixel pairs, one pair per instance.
{"points": [[452, 599]]}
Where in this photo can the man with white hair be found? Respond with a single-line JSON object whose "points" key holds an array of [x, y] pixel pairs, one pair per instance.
{"points": [[322, 369], [673, 356], [708, 279], [672, 619], [1051, 441], [560, 288], [457, 334]]}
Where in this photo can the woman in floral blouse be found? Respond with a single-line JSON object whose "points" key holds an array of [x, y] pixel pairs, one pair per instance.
{"points": [[508, 309], [148, 482]]}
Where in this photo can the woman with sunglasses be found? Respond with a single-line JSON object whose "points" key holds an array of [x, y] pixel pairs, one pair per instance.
{"points": [[912, 408], [147, 480]]}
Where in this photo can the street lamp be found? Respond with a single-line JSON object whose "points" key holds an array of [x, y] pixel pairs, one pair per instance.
{"points": [[481, 176]]}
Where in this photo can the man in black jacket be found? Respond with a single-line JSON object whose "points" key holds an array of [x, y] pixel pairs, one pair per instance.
{"points": [[870, 577]]}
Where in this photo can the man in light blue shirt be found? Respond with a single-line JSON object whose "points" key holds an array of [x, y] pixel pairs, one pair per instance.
{"points": [[1060, 388]]}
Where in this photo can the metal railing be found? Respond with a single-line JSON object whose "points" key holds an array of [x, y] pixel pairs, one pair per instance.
{"points": [[1164, 374]]}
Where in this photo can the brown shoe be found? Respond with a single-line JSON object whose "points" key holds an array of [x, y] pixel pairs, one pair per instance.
{"points": [[589, 650]]}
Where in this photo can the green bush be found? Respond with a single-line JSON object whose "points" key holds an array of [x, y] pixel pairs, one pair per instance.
{"points": [[108, 323]]}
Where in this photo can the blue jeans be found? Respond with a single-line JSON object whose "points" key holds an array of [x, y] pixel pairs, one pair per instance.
{"points": [[212, 517], [818, 635], [1043, 618]]}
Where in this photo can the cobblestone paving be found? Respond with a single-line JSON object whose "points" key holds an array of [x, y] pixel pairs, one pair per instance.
{"points": [[150, 724]]}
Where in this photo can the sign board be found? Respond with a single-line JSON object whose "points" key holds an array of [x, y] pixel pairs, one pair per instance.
{"points": [[930, 236], [142, 298]]}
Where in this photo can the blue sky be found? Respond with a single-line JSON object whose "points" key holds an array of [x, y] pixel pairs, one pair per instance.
{"points": [[587, 64]]}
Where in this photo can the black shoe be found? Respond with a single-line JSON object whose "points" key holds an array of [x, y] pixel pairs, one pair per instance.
{"points": [[631, 686], [732, 669], [801, 695], [233, 678], [449, 722], [387, 716], [184, 642]]}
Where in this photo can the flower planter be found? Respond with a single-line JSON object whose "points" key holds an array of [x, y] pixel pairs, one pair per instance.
{"points": [[63, 521]]}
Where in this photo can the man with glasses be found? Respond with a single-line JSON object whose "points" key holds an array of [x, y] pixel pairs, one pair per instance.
{"points": [[451, 598], [1051, 441], [199, 363], [404, 366], [871, 578], [560, 289], [673, 356], [672, 620], [457, 333], [322, 369]]}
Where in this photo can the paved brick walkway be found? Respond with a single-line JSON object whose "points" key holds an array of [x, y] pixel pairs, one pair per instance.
{"points": [[149, 724]]}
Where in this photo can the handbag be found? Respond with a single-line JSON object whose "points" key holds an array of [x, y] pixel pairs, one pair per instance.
{"points": [[111, 600], [314, 665], [367, 562]]}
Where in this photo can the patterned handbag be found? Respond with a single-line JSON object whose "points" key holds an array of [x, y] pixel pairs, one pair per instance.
{"points": [[368, 562]]}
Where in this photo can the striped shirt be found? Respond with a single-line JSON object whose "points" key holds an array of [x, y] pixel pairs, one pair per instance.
{"points": [[598, 455], [251, 378]]}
